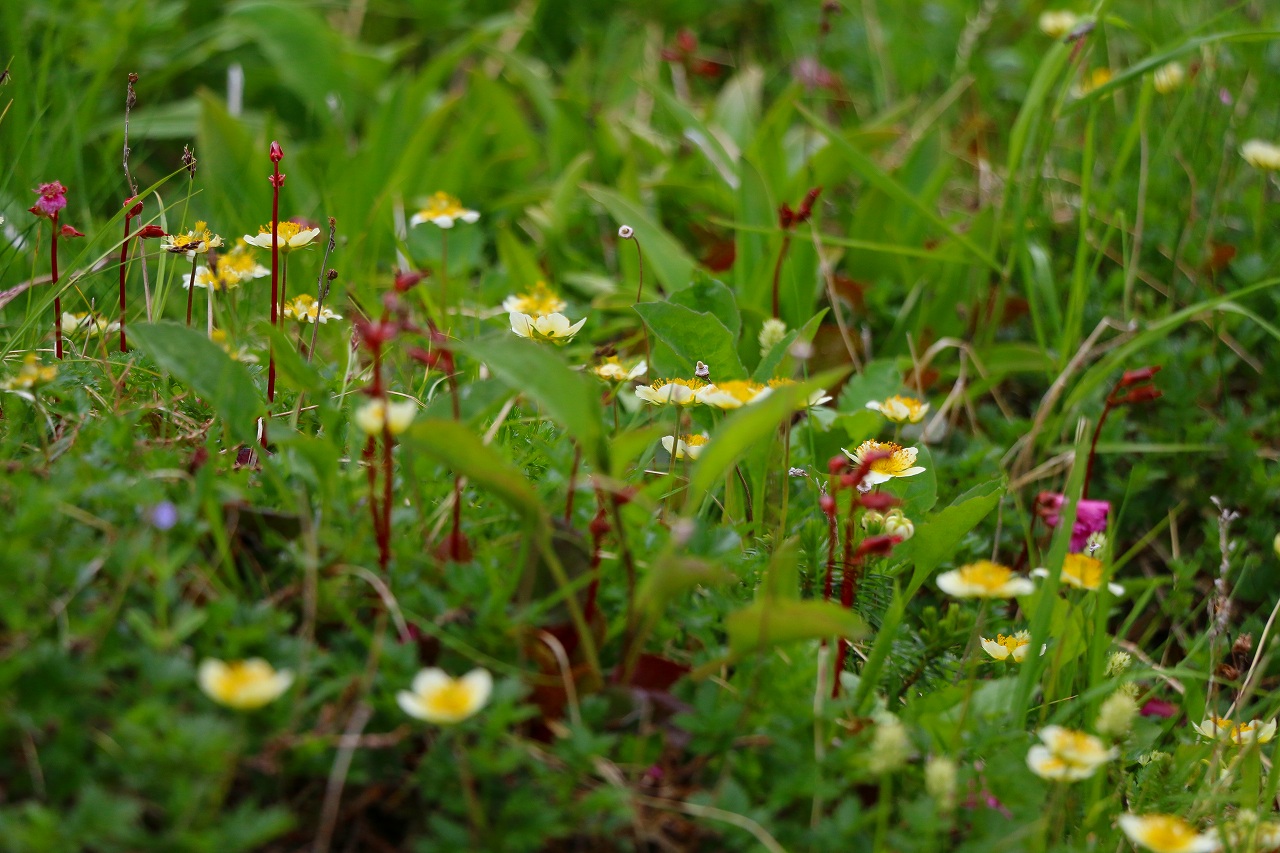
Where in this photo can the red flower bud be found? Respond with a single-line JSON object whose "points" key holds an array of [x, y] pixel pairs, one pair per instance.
{"points": [[408, 279], [878, 501], [277, 180], [277, 153], [1142, 374], [70, 231], [1142, 394], [877, 545], [136, 210], [686, 41], [599, 524], [837, 464], [827, 504], [148, 231]]}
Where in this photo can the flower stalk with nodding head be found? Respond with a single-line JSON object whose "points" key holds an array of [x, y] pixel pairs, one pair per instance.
{"points": [[53, 198], [277, 181]]}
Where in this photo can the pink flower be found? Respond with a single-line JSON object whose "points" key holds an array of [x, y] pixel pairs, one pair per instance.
{"points": [[1158, 708], [1091, 516], [53, 197]]}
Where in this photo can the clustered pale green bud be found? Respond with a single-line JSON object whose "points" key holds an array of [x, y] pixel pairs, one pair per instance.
{"points": [[1118, 664], [1116, 714], [890, 747], [771, 334], [940, 782]]}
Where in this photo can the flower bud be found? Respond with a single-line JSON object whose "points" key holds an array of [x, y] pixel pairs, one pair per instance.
{"points": [[872, 521], [626, 232], [1118, 664], [277, 153], [897, 524]]}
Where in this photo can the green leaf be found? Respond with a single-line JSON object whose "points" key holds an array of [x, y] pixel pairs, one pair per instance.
{"points": [[694, 336], [458, 448], [672, 576], [293, 371], [707, 295], [770, 622], [769, 365], [202, 366], [667, 259], [919, 493], [936, 539], [537, 371]]}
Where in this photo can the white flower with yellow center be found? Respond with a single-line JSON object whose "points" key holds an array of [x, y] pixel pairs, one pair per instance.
{"points": [[900, 409], [443, 210], [548, 327], [536, 303], [815, 398], [613, 370], [1056, 23], [733, 394], [1166, 833], [901, 461], [1224, 729], [1082, 572], [689, 445], [1068, 755], [1169, 77], [195, 242], [438, 698], [242, 684], [1261, 154], [675, 392], [1012, 647], [305, 309], [376, 415], [291, 236], [232, 268], [984, 579], [87, 324]]}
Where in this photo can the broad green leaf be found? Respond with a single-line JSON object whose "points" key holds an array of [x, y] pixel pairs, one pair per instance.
{"points": [[202, 366], [663, 255], [936, 538], [920, 492], [537, 371], [694, 336], [770, 622], [457, 447], [707, 295]]}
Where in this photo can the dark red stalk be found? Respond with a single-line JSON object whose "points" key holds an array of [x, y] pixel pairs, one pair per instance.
{"points": [[277, 180], [777, 272], [384, 541], [124, 259], [57, 298]]}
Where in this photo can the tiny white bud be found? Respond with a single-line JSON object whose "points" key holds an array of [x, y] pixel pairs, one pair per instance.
{"points": [[626, 232]]}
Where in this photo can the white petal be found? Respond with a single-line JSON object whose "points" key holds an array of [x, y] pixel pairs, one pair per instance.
{"points": [[429, 680], [410, 704], [480, 683], [522, 324]]}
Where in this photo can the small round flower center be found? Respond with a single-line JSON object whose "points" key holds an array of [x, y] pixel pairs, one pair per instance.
{"points": [[986, 574], [453, 698], [1082, 570]]}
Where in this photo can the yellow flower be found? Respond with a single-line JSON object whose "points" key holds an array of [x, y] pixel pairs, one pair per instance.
{"points": [[1261, 154], [291, 234], [901, 461], [689, 445], [1166, 833], [443, 210], [547, 327], [1169, 77], [732, 394], [1082, 572], [900, 409], [1221, 728], [679, 392], [376, 415], [1068, 755], [815, 398], [1097, 77], [438, 698], [536, 303], [1057, 23], [612, 370], [242, 684], [1008, 648], [30, 375], [984, 579], [195, 242], [305, 309]]}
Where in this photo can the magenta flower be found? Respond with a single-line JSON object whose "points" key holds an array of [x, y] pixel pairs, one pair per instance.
{"points": [[1091, 516], [53, 197]]}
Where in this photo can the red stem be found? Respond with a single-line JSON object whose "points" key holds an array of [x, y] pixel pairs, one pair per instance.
{"points": [[1093, 445], [384, 540], [57, 298], [124, 259], [777, 271], [275, 281]]}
